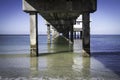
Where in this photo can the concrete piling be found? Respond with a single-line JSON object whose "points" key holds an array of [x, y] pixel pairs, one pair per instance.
{"points": [[74, 34], [48, 33], [86, 34], [33, 34], [62, 15], [71, 34], [81, 35]]}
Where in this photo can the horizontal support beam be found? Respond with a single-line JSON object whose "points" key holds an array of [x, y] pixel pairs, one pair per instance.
{"points": [[60, 5]]}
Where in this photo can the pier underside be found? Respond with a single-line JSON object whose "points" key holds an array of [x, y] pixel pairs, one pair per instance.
{"points": [[61, 14]]}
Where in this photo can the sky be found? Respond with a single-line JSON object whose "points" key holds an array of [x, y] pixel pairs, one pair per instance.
{"points": [[106, 20]]}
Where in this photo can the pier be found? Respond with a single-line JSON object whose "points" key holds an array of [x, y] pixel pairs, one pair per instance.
{"points": [[62, 15], [78, 28]]}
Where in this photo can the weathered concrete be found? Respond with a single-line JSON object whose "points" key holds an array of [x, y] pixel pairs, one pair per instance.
{"points": [[86, 34], [27, 7], [71, 34], [78, 28], [33, 34], [52, 33], [62, 14], [66, 33], [55, 33], [48, 33], [81, 34], [61, 5]]}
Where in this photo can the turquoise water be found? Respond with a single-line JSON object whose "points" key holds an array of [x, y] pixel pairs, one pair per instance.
{"points": [[65, 63]]}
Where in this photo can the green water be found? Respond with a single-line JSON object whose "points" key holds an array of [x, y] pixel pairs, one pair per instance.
{"points": [[63, 62]]}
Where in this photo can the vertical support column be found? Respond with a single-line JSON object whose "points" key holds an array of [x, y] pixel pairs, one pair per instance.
{"points": [[86, 34], [78, 35], [52, 32], [48, 32], [74, 34], [81, 35], [33, 34], [71, 33]]}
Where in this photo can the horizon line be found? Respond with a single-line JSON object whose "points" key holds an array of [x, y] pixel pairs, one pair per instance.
{"points": [[46, 34]]}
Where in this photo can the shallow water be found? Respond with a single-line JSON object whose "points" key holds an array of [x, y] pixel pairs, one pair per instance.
{"points": [[61, 62], [62, 66]]}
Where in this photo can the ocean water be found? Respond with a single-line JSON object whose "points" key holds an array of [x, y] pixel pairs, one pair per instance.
{"points": [[21, 45], [66, 61], [105, 43]]}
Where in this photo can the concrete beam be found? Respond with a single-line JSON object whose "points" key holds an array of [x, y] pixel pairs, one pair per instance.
{"points": [[61, 5], [86, 34], [33, 34], [66, 33], [77, 29], [27, 7]]}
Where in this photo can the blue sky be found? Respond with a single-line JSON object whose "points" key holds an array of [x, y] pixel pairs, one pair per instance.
{"points": [[106, 20]]}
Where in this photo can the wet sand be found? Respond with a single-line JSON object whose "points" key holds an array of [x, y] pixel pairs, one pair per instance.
{"points": [[64, 64]]}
